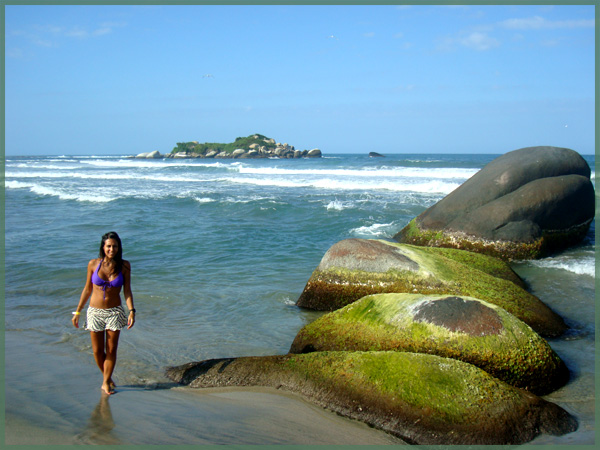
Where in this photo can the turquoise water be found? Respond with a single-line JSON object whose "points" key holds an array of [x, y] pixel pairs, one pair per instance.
{"points": [[221, 250]]}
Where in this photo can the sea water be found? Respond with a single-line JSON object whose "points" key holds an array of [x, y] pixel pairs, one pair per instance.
{"points": [[220, 251]]}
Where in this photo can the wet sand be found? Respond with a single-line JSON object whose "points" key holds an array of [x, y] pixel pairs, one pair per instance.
{"points": [[65, 405], [182, 416]]}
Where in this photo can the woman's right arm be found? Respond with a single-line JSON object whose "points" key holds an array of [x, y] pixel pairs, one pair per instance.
{"points": [[85, 294]]}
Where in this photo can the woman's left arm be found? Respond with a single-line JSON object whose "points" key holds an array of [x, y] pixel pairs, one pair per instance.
{"points": [[128, 293]]}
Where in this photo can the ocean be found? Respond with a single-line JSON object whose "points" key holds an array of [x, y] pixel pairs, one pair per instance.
{"points": [[220, 251]]}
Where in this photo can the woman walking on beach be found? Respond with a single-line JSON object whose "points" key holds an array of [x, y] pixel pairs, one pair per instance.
{"points": [[106, 317]]}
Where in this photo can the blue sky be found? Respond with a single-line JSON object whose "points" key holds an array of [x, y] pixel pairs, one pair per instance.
{"points": [[101, 80]]}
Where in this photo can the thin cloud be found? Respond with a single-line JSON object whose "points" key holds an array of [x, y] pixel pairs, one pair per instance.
{"points": [[540, 23], [47, 35], [103, 29], [475, 40], [479, 41]]}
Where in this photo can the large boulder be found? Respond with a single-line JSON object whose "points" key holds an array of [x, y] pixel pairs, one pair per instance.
{"points": [[523, 205], [423, 399], [463, 328], [354, 268], [154, 155]]}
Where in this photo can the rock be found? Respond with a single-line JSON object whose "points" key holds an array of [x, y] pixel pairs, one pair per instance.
{"points": [[525, 204], [250, 147], [149, 155], [375, 155], [463, 328], [354, 268], [314, 153], [154, 155], [423, 399]]}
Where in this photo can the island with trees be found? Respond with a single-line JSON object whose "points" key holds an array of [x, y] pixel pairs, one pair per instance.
{"points": [[253, 146]]}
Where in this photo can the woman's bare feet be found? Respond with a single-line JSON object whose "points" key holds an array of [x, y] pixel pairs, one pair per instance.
{"points": [[107, 389]]}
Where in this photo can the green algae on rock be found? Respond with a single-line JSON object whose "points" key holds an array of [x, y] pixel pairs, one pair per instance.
{"points": [[463, 328], [504, 249], [423, 399], [354, 268]]}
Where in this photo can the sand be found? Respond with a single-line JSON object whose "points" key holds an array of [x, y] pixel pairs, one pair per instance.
{"points": [[56, 399], [136, 415]]}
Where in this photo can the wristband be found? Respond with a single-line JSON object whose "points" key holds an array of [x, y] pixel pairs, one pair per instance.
{"points": [[76, 313], [132, 310]]}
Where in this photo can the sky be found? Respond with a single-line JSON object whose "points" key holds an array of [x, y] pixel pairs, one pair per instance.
{"points": [[127, 79]]}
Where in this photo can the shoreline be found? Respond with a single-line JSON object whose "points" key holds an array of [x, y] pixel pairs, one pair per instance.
{"points": [[50, 411]]}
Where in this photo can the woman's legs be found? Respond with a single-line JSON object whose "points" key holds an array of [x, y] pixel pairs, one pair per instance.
{"points": [[112, 342], [104, 346]]}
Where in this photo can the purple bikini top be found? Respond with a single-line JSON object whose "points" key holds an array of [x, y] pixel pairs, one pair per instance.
{"points": [[117, 282]]}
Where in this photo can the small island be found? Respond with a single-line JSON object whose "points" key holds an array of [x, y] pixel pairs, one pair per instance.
{"points": [[253, 146]]}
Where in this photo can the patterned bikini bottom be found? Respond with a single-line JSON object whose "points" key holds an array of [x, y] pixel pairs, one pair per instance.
{"points": [[100, 319]]}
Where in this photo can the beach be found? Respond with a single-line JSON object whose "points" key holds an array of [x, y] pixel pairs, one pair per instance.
{"points": [[220, 252], [63, 406]]}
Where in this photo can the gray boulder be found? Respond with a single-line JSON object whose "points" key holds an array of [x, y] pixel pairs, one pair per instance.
{"points": [[154, 155], [523, 205]]}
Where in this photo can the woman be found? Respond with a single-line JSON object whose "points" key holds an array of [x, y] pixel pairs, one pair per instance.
{"points": [[106, 276]]}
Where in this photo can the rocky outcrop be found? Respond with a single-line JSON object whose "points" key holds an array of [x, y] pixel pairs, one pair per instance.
{"points": [[253, 146], [423, 399], [462, 328], [354, 268], [375, 155], [523, 205], [151, 155]]}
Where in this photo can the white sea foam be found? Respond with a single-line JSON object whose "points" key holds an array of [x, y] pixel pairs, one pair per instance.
{"points": [[204, 200], [109, 176], [268, 182], [376, 230], [337, 205], [63, 195], [581, 266], [155, 164], [433, 186], [400, 172], [12, 184], [26, 165]]}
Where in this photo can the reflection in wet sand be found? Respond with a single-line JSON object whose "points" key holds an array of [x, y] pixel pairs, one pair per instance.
{"points": [[99, 427]]}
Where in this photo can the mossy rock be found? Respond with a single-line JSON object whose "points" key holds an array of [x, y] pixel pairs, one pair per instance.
{"points": [[535, 248], [423, 399], [354, 268], [463, 328]]}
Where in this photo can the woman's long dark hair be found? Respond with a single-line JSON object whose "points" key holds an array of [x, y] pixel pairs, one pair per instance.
{"points": [[119, 258]]}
